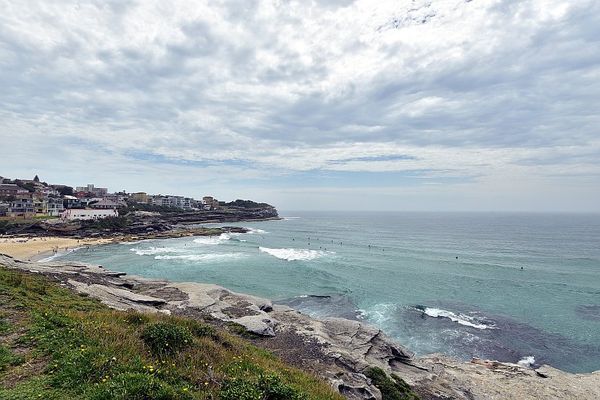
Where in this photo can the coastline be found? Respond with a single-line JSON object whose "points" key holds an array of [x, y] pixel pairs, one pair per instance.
{"points": [[34, 248], [335, 349]]}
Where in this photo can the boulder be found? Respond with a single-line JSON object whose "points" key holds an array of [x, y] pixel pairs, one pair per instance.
{"points": [[258, 324]]}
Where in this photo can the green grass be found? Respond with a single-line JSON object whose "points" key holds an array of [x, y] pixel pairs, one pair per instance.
{"points": [[59, 345], [392, 387], [8, 359]]}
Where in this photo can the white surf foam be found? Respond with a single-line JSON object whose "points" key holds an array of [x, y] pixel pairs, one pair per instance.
{"points": [[200, 257], [256, 231], [379, 314], [294, 254], [130, 243], [462, 319], [212, 240], [155, 250], [59, 254], [527, 362]]}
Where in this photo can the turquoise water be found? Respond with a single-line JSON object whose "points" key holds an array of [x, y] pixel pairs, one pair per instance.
{"points": [[501, 286]]}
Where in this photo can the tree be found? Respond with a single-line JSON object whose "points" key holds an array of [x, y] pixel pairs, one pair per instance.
{"points": [[36, 179], [65, 190]]}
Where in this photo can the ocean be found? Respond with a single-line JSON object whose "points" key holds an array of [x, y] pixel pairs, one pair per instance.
{"points": [[511, 287]]}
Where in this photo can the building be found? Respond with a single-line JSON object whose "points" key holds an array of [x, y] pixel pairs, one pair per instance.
{"points": [[87, 214], [40, 205], [210, 203], [21, 207], [100, 192], [139, 197], [159, 200], [11, 190], [47, 191], [55, 206], [106, 204], [85, 202], [71, 202], [184, 203]]}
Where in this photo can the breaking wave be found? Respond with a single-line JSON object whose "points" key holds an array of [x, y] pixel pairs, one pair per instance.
{"points": [[462, 319], [155, 250], [213, 240], [294, 254], [527, 362], [59, 254], [255, 231]]}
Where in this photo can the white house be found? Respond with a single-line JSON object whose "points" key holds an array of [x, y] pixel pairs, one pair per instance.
{"points": [[87, 214], [55, 206]]}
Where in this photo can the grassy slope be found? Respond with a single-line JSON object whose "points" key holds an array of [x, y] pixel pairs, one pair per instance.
{"points": [[55, 344]]}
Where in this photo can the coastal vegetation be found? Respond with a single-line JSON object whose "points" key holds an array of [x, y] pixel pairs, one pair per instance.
{"points": [[392, 388], [55, 344], [245, 204], [114, 224]]}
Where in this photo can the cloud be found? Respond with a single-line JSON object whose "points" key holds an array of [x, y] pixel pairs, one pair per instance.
{"points": [[477, 91]]}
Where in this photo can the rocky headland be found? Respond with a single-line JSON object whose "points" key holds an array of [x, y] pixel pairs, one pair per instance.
{"points": [[136, 222], [336, 349]]}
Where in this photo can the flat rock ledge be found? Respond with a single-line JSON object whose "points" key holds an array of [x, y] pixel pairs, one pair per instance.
{"points": [[338, 350]]}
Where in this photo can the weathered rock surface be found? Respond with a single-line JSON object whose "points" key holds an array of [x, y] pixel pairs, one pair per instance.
{"points": [[337, 349], [146, 224]]}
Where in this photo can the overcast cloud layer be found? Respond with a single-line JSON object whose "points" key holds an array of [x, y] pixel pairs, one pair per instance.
{"points": [[429, 105]]}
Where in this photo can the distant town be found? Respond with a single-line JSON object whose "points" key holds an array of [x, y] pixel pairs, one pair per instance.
{"points": [[30, 198]]}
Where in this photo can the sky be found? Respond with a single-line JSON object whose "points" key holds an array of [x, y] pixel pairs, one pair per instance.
{"points": [[428, 105]]}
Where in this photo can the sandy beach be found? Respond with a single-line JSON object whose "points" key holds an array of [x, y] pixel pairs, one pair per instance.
{"points": [[35, 248]]}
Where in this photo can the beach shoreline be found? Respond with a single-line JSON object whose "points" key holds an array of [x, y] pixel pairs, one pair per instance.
{"points": [[32, 248], [36, 248]]}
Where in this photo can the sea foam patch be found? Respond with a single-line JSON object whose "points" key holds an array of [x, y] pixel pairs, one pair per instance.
{"points": [[256, 231], [155, 250], [459, 318], [213, 240], [201, 257], [58, 254], [527, 362], [294, 254]]}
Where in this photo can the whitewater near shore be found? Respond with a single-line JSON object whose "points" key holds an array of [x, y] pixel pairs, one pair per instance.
{"points": [[39, 248]]}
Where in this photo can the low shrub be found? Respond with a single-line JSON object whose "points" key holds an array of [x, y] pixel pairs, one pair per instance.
{"points": [[268, 387], [202, 330], [5, 327], [7, 358], [77, 366], [136, 318], [393, 388], [138, 386], [165, 338], [241, 330], [273, 388]]}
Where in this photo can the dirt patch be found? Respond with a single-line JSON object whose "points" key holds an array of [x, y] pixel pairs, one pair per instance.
{"points": [[34, 367]]}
